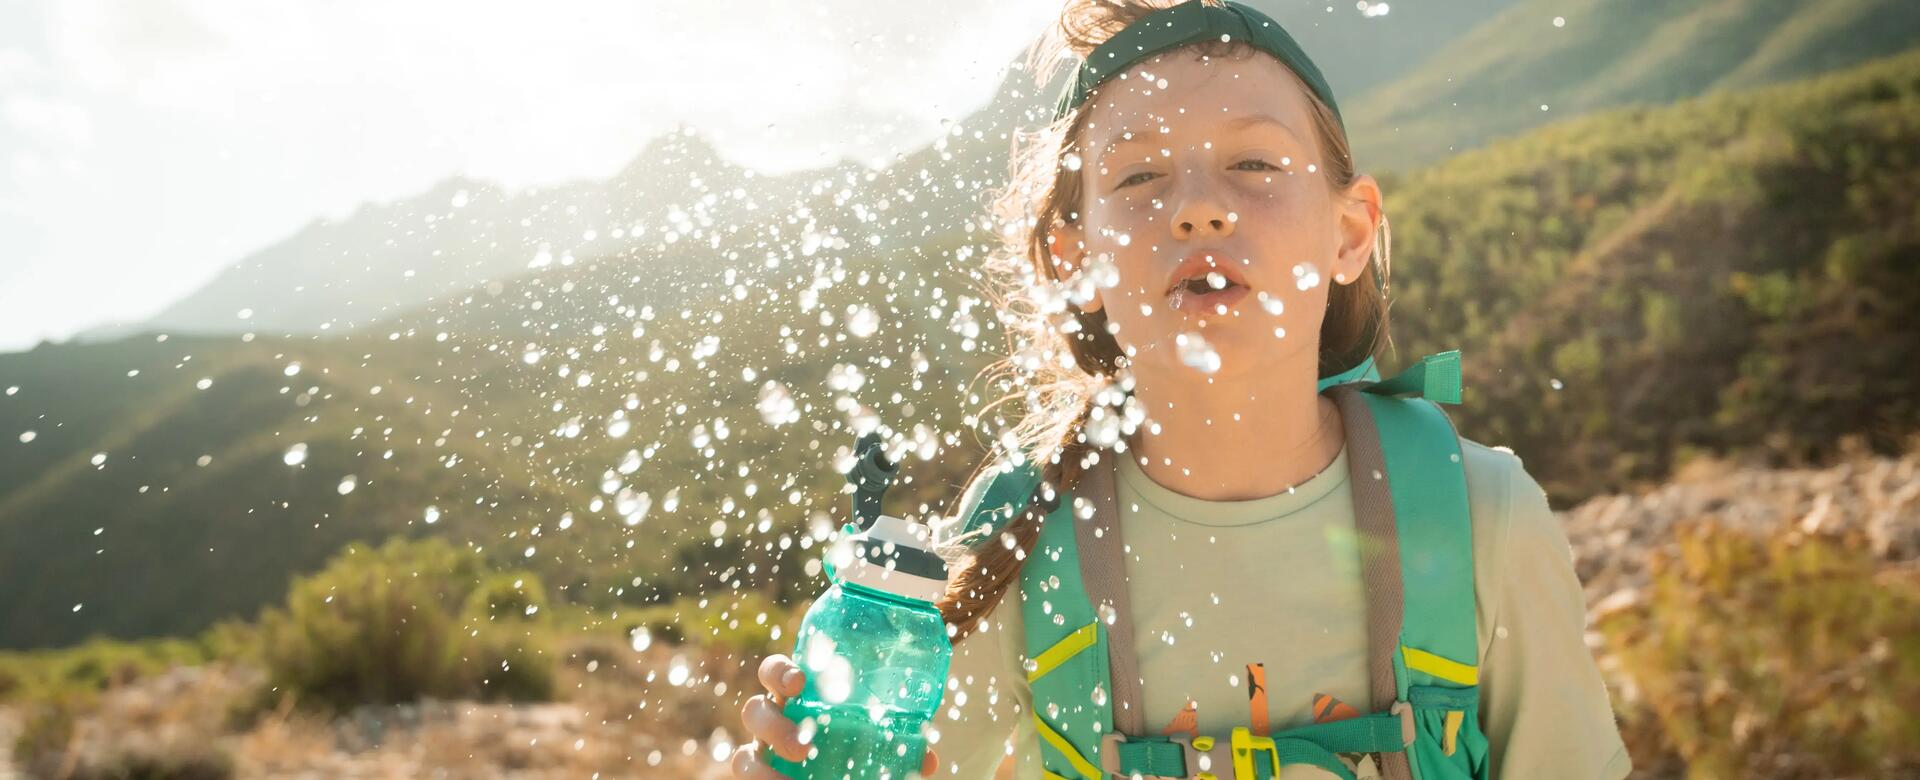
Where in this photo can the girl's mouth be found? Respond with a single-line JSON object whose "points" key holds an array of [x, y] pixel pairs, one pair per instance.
{"points": [[1198, 297]]}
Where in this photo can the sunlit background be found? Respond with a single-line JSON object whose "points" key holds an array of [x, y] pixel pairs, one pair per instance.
{"points": [[574, 310]]}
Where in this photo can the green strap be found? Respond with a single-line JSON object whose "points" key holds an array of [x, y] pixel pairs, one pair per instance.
{"points": [[1436, 378], [1297, 751], [1377, 732], [1152, 757], [1367, 371]]}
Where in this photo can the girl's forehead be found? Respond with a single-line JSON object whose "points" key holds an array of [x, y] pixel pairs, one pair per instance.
{"points": [[1181, 93]]}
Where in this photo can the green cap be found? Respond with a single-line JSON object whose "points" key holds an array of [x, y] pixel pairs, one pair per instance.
{"points": [[1186, 23]]}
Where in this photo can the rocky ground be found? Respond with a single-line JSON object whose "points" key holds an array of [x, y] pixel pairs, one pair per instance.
{"points": [[1613, 535]]}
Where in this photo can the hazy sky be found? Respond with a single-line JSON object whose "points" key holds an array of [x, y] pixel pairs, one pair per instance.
{"points": [[144, 144]]}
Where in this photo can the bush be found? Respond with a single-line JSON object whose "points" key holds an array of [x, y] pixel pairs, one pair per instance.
{"points": [[503, 639], [408, 620], [1792, 655]]}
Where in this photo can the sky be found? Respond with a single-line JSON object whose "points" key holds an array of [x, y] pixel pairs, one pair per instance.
{"points": [[146, 144]]}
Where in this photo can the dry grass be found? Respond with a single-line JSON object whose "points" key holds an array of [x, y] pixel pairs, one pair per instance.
{"points": [[620, 716]]}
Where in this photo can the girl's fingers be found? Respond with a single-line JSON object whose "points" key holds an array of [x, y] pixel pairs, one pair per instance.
{"points": [[781, 677], [748, 766], [769, 725]]}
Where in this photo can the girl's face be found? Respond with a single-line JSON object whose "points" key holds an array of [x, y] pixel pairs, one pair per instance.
{"points": [[1191, 166]]}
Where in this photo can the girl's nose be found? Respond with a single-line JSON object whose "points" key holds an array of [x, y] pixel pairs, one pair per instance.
{"points": [[1199, 211], [1201, 215]]}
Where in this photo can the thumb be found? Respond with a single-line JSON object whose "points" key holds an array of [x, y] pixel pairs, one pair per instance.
{"points": [[930, 764]]}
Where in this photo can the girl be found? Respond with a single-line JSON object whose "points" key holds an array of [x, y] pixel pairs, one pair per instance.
{"points": [[1192, 253]]}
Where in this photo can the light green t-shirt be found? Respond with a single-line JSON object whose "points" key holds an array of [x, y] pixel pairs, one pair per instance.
{"points": [[1217, 586]]}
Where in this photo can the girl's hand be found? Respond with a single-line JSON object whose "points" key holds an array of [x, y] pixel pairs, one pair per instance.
{"points": [[764, 720]]}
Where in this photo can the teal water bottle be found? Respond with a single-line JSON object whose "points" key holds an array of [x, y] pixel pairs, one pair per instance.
{"points": [[873, 646]]}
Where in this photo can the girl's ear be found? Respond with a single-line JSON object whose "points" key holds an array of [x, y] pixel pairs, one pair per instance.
{"points": [[1067, 250], [1359, 215]]}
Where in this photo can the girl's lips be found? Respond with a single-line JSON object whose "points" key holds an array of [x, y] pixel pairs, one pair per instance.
{"points": [[1205, 304]]}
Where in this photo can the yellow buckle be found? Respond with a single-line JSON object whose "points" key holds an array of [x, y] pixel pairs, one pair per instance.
{"points": [[1244, 745]]}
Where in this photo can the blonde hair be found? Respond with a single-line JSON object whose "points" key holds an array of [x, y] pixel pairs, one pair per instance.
{"points": [[1068, 360]]}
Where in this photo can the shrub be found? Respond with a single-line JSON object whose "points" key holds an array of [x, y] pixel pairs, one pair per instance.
{"points": [[1790, 655], [407, 620], [502, 640]]}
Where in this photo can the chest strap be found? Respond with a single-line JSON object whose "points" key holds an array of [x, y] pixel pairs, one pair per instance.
{"points": [[1245, 756]]}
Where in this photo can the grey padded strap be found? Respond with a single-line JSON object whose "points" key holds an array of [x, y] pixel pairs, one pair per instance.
{"points": [[1103, 572], [1379, 539]]}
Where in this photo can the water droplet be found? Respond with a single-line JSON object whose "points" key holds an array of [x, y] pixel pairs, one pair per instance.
{"points": [[1559, 21], [292, 369], [632, 506], [1271, 304], [27, 436], [204, 383], [296, 455], [1306, 276], [98, 458], [641, 638], [1197, 353], [776, 405], [347, 484], [1555, 384], [618, 427], [863, 322], [432, 514]]}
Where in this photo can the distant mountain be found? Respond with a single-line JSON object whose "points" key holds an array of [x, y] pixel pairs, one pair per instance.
{"points": [[384, 258], [388, 257], [1540, 62]]}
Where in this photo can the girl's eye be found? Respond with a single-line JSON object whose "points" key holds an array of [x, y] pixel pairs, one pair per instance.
{"points": [[1130, 179]]}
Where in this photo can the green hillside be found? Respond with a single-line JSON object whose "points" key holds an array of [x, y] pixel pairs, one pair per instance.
{"points": [[537, 417], [1734, 274], [1493, 81]]}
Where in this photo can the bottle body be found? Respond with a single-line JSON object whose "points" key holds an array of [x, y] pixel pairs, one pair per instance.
{"points": [[876, 666]]}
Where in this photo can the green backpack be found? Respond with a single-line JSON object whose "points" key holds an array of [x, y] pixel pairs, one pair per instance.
{"points": [[1410, 502]]}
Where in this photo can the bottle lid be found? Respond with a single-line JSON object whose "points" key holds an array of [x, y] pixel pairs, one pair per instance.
{"points": [[891, 556]]}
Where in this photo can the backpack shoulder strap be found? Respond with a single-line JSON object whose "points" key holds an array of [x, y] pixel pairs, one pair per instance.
{"points": [[1065, 644], [1410, 504], [998, 496]]}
